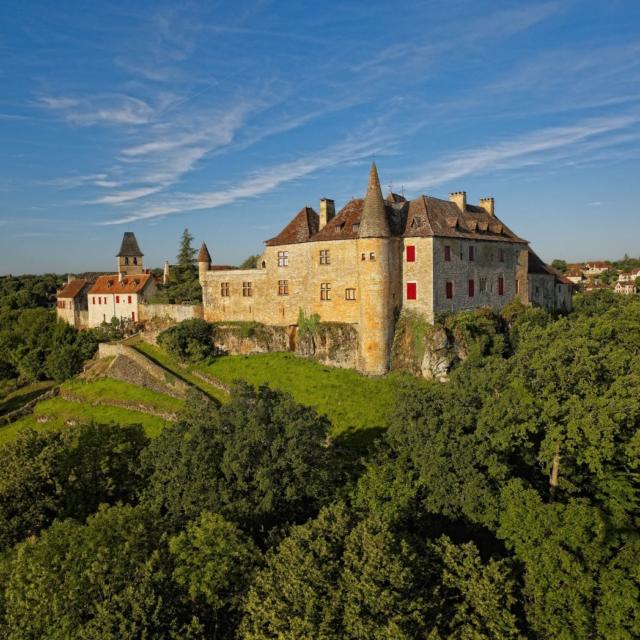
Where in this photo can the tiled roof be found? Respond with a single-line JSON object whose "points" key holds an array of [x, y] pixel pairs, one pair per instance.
{"points": [[129, 284], [129, 246], [300, 229], [598, 264], [536, 265], [72, 289], [395, 198]]}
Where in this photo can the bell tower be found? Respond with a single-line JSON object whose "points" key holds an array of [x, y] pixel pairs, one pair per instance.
{"points": [[129, 258]]}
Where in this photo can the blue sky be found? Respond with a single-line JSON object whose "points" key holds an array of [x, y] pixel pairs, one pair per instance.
{"points": [[227, 118]]}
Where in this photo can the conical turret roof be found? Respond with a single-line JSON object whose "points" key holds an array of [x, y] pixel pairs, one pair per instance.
{"points": [[129, 247], [203, 255], [373, 223]]}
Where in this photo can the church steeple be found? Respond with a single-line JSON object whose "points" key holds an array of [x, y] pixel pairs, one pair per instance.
{"points": [[129, 258], [373, 223]]}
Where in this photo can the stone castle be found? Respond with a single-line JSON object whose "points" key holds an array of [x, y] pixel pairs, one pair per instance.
{"points": [[376, 257]]}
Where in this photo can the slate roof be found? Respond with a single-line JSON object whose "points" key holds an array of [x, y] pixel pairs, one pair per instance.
{"points": [[536, 265], [305, 224], [72, 289], [130, 284], [373, 221], [204, 255], [129, 246]]}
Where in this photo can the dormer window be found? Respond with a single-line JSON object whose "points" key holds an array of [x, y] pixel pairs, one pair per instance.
{"points": [[355, 227]]}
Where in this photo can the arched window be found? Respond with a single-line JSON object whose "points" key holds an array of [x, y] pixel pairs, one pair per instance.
{"points": [[126, 260]]}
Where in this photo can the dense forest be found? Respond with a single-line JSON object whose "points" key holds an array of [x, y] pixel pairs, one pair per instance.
{"points": [[502, 504]]}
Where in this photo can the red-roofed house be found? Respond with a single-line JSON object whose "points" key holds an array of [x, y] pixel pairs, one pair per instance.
{"points": [[71, 302]]}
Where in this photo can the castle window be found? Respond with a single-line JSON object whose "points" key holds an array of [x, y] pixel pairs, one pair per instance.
{"points": [[224, 289], [482, 285], [283, 287], [93, 301], [372, 256], [472, 288], [283, 258], [247, 289], [412, 290], [501, 254], [349, 294], [472, 253], [126, 260], [129, 299], [449, 290], [324, 256], [447, 253], [517, 286], [364, 256], [117, 299], [325, 291], [411, 253], [500, 286], [135, 261]]}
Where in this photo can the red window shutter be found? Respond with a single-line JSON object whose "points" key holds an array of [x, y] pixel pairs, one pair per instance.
{"points": [[447, 253], [129, 299], [411, 253], [412, 291], [93, 301], [500, 286], [472, 288], [117, 299], [133, 316], [449, 289]]}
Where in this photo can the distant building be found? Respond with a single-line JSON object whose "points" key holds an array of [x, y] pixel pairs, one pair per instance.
{"points": [[71, 302], [596, 267], [629, 276], [625, 287], [84, 303], [376, 257]]}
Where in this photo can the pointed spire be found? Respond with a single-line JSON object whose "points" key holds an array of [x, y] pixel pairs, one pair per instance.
{"points": [[373, 223], [204, 255]]}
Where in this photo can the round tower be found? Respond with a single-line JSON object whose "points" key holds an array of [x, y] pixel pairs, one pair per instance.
{"points": [[204, 263], [374, 277]]}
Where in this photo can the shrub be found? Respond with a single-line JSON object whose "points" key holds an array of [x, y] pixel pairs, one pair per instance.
{"points": [[190, 340]]}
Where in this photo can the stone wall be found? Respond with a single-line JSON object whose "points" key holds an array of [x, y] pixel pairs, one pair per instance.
{"points": [[131, 366], [250, 337], [169, 313], [332, 343]]}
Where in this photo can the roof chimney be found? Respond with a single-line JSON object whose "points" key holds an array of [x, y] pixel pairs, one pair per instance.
{"points": [[488, 204], [460, 198], [120, 276], [165, 272], [327, 211], [69, 279]]}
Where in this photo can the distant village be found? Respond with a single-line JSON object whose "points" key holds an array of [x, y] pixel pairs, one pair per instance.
{"points": [[598, 274]]}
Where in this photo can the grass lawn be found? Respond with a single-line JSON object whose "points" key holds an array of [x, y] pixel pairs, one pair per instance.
{"points": [[60, 410], [21, 396], [105, 389], [357, 405], [159, 356]]}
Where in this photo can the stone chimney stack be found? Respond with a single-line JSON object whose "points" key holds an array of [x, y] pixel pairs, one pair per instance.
{"points": [[460, 198], [69, 279], [120, 275], [488, 204], [327, 211], [165, 273]]}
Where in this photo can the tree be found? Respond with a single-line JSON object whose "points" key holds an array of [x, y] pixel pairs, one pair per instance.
{"points": [[214, 565], [560, 265], [107, 579], [251, 262], [186, 269], [189, 340], [260, 461], [45, 475]]}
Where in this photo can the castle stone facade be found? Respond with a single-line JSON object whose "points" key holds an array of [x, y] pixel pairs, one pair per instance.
{"points": [[375, 258]]}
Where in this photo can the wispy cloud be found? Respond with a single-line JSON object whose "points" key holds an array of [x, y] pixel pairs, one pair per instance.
{"points": [[264, 181], [108, 109], [72, 182], [523, 150]]}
